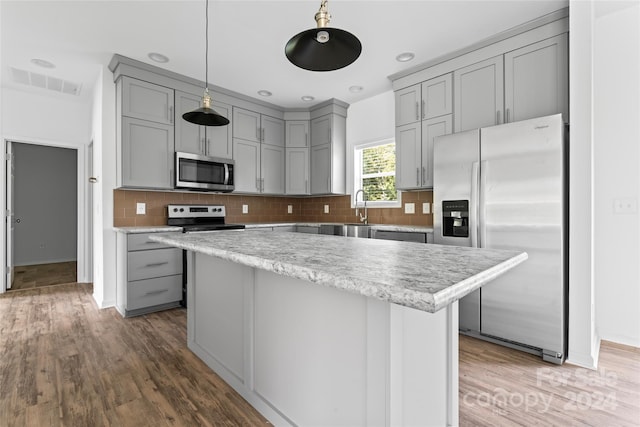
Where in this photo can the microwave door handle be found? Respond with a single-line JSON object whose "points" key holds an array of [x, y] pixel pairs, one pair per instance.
{"points": [[226, 174]]}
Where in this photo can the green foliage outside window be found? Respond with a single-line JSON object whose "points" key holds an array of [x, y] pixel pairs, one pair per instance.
{"points": [[378, 172]]}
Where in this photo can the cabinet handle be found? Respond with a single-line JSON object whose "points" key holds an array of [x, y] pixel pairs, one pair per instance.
{"points": [[171, 114], [306, 185], [157, 264], [498, 117], [424, 114], [506, 116], [207, 146], [158, 292], [306, 139], [263, 133], [423, 174], [417, 111], [417, 176], [257, 184]]}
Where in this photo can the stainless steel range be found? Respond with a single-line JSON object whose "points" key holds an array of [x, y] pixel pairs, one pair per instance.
{"points": [[198, 219]]}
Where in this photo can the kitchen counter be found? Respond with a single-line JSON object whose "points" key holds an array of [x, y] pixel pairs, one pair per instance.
{"points": [[327, 330], [147, 229], [425, 277]]}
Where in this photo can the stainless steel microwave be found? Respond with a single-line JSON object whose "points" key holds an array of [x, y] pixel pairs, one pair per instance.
{"points": [[197, 172]]}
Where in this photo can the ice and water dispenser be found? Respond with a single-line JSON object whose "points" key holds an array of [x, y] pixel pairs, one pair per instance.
{"points": [[455, 218]]}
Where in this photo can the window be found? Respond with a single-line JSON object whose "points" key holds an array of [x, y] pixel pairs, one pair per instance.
{"points": [[375, 173]]}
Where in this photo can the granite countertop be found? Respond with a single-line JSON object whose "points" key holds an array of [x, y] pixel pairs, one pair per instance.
{"points": [[148, 229], [425, 277]]}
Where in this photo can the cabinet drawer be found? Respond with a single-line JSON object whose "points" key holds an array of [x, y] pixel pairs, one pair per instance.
{"points": [[141, 242], [402, 236], [150, 292], [155, 263]]}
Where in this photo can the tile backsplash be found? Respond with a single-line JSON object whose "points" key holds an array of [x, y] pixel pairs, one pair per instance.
{"points": [[265, 209]]}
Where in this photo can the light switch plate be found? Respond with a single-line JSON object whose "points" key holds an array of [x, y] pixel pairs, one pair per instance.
{"points": [[290, 209], [409, 208], [245, 209], [326, 208], [141, 208], [426, 208]]}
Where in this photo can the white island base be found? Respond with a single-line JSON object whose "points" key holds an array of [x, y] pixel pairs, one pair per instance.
{"points": [[310, 355]]}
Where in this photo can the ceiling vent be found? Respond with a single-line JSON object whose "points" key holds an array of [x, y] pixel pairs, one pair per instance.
{"points": [[45, 82]]}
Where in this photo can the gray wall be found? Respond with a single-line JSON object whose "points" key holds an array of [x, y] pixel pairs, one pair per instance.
{"points": [[45, 201]]}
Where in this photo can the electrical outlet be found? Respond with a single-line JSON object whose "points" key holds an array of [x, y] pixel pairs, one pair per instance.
{"points": [[625, 206], [426, 208], [141, 208], [409, 208], [245, 209], [326, 208], [290, 209]]}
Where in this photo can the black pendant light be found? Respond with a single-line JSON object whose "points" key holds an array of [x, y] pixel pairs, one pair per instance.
{"points": [[206, 115], [323, 48]]}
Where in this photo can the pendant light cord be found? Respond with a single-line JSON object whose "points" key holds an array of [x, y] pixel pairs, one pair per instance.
{"points": [[206, 52]]}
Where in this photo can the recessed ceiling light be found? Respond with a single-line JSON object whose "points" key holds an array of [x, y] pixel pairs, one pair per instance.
{"points": [[355, 89], [43, 63], [264, 93], [406, 56], [307, 98], [158, 57]]}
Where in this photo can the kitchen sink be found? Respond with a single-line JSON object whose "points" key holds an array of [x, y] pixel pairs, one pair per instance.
{"points": [[348, 230]]}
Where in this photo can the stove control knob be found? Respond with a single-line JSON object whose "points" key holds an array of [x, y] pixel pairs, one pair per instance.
{"points": [[175, 209], [181, 209]]}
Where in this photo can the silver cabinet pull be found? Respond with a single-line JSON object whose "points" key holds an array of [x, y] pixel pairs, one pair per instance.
{"points": [[306, 185], [423, 174], [424, 114], [306, 139], [207, 146], [171, 114], [257, 184], [506, 116], [498, 117], [263, 133], [417, 111], [93, 179], [417, 176], [157, 264], [158, 292]]}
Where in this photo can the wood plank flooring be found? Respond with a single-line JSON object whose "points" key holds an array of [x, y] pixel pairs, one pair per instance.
{"points": [[64, 362], [35, 276]]}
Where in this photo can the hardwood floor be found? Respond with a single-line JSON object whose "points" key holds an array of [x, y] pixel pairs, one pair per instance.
{"points": [[64, 362], [35, 276]]}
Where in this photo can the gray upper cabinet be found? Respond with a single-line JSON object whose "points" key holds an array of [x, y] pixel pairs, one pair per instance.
{"points": [[213, 141], [328, 155], [424, 101], [147, 154], [536, 80], [408, 105], [414, 141], [246, 155], [259, 152], [479, 95], [297, 133], [246, 125], [437, 97], [147, 101], [273, 131], [297, 171]]}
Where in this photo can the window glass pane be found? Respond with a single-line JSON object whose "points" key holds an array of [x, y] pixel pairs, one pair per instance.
{"points": [[381, 188], [379, 159]]}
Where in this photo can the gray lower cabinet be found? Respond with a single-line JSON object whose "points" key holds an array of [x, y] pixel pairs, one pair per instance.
{"points": [[149, 275], [213, 141]]}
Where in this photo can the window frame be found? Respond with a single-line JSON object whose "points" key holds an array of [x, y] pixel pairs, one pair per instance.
{"points": [[357, 176]]}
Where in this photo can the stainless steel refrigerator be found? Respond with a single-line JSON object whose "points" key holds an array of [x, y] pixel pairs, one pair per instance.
{"points": [[505, 187]]}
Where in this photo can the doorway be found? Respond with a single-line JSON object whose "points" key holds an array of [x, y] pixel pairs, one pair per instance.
{"points": [[42, 196]]}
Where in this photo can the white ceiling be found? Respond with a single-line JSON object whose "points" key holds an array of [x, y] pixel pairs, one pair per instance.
{"points": [[247, 39]]}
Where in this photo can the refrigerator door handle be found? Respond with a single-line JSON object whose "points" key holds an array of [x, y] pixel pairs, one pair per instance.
{"points": [[482, 215], [473, 205]]}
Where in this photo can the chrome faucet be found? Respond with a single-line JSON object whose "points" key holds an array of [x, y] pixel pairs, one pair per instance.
{"points": [[363, 219]]}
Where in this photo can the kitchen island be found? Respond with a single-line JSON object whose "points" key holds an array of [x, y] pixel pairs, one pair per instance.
{"points": [[327, 331]]}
